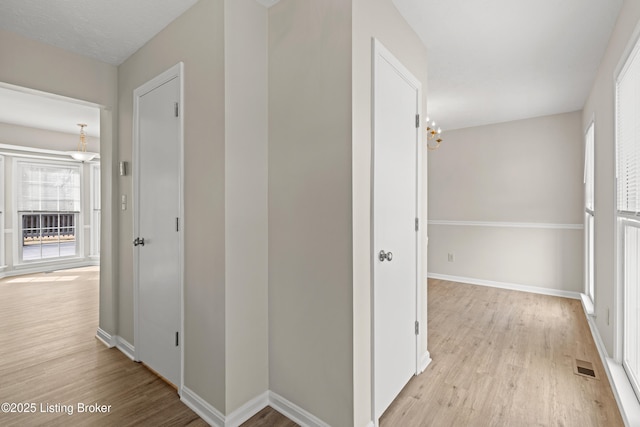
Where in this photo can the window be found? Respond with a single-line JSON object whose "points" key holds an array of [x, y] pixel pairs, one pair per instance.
{"points": [[48, 207], [95, 209], [628, 209], [589, 211]]}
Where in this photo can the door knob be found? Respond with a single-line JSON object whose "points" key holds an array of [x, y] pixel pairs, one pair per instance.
{"points": [[385, 255], [138, 241]]}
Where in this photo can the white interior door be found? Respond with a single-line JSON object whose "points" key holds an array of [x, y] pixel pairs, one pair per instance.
{"points": [[396, 104], [157, 231]]}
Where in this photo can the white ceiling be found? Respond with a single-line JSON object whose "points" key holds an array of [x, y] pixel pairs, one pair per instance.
{"points": [[107, 30], [493, 61], [36, 110], [489, 61]]}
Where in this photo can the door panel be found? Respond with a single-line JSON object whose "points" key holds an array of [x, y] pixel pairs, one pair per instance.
{"points": [[158, 209], [394, 209]]}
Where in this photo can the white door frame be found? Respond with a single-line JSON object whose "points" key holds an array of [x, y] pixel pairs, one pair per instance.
{"points": [[378, 50], [177, 71]]}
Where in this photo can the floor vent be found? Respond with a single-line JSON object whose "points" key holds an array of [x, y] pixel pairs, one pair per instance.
{"points": [[584, 368]]}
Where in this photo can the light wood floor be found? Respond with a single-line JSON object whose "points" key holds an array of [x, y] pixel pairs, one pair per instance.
{"points": [[505, 358], [49, 355], [500, 358]]}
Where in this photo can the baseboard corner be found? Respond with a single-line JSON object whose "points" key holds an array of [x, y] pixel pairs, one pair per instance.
{"points": [[204, 410], [425, 361], [294, 412], [126, 348], [106, 338], [247, 410]]}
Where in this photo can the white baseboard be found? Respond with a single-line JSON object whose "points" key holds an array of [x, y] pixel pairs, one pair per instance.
{"points": [[248, 410], [42, 267], [425, 360], [217, 419], [294, 412], [207, 412], [116, 341], [106, 338], [125, 348], [625, 396], [509, 286]]}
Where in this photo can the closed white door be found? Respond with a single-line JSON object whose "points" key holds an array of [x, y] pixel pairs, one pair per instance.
{"points": [[396, 100], [157, 230]]}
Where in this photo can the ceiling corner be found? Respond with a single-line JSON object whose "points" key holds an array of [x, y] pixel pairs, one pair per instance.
{"points": [[267, 3]]}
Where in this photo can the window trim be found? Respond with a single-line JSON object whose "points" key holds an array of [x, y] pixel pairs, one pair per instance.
{"points": [[18, 262]]}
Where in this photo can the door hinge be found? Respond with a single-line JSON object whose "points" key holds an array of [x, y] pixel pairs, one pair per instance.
{"points": [[417, 120], [417, 224], [177, 224], [176, 109], [417, 328], [177, 339]]}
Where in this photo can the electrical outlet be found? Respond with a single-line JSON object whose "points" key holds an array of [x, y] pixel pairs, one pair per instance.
{"points": [[450, 257]]}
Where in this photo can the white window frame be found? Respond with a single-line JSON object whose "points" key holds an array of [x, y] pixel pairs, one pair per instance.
{"points": [[589, 214], [17, 214], [627, 147], [94, 170]]}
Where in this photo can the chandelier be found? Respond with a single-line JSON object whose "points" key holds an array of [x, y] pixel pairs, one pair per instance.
{"points": [[433, 135]]}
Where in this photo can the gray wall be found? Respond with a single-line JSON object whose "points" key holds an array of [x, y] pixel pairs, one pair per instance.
{"points": [[197, 39], [509, 175], [246, 157], [600, 106], [310, 222]]}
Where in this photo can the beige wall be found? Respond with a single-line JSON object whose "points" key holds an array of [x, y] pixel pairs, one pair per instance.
{"points": [[38, 66], [310, 233], [379, 19], [600, 106], [197, 39], [526, 171], [246, 157]]}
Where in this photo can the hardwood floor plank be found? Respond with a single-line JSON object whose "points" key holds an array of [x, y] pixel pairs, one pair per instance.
{"points": [[49, 355], [505, 358], [500, 358]]}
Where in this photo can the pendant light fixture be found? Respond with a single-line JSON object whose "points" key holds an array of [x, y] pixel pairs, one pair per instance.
{"points": [[82, 154]]}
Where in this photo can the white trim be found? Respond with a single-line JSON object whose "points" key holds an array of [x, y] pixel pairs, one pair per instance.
{"points": [[425, 361], [508, 224], [248, 410], [116, 341], [625, 396], [126, 348], [41, 267], [206, 411], [370, 424], [294, 412], [64, 155], [8, 230], [177, 71], [510, 286], [106, 338], [587, 305]]}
